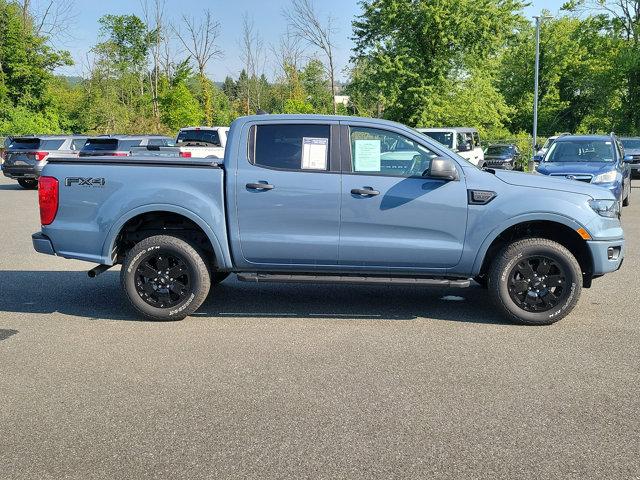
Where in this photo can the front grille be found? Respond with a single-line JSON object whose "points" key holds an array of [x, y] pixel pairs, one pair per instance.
{"points": [[581, 177]]}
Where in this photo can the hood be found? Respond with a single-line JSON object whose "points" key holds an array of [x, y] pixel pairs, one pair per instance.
{"points": [[522, 179], [632, 151], [587, 168]]}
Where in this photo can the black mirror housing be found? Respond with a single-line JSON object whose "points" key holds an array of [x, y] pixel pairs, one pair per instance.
{"points": [[442, 169]]}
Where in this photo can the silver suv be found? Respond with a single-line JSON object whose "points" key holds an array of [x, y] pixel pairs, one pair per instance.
{"points": [[25, 157]]}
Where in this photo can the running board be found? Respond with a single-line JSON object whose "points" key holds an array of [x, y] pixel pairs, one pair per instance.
{"points": [[306, 278]]}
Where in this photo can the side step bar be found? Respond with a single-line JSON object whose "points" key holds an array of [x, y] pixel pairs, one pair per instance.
{"points": [[359, 280]]}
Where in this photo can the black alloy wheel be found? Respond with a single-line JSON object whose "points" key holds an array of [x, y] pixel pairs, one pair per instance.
{"points": [[537, 284], [163, 280]]}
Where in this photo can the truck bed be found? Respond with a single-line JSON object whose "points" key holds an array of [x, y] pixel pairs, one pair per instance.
{"points": [[99, 195]]}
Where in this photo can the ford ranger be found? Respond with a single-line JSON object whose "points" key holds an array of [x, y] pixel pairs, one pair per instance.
{"points": [[303, 198]]}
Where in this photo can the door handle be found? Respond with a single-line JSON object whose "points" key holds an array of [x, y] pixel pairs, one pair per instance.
{"points": [[259, 186], [365, 192]]}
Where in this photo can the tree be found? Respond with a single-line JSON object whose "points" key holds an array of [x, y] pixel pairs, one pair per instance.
{"points": [[623, 29], [200, 42], [305, 23], [179, 107], [407, 51]]}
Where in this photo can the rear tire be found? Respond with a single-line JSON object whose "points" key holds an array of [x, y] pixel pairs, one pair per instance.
{"points": [[165, 278], [28, 183], [535, 281]]}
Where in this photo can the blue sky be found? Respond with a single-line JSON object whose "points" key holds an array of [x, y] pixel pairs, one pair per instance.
{"points": [[266, 14]]}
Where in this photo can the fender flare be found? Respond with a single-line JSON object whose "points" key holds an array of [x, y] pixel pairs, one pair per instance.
{"points": [[107, 247], [528, 217]]}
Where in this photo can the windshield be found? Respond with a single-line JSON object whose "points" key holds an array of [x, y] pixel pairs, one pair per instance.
{"points": [[580, 151], [445, 138], [499, 150], [631, 143], [209, 137]]}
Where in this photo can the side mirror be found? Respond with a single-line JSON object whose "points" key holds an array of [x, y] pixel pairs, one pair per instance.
{"points": [[628, 159], [442, 169]]}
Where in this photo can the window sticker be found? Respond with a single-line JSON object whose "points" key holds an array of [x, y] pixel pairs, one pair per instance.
{"points": [[367, 156], [314, 153]]}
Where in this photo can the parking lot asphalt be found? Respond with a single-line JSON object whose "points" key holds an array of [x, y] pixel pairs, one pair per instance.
{"points": [[308, 381]]}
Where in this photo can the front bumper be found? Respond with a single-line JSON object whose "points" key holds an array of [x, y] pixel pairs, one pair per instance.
{"points": [[607, 255], [42, 244]]}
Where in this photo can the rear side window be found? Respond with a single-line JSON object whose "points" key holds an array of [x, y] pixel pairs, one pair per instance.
{"points": [[476, 139], [78, 143], [98, 144], [207, 137], [125, 145], [291, 147], [24, 144], [158, 142]]}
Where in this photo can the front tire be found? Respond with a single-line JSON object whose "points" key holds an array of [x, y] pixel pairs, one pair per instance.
{"points": [[165, 278], [535, 281], [28, 183]]}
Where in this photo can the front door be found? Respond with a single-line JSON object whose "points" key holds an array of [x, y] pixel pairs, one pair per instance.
{"points": [[393, 217], [288, 195]]}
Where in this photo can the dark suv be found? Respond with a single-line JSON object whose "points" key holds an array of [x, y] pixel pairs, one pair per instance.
{"points": [[121, 145], [25, 157], [632, 152]]}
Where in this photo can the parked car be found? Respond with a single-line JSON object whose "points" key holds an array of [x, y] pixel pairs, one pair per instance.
{"points": [[596, 159], [541, 151], [632, 150], [120, 145], [192, 142], [26, 156], [306, 198], [202, 142], [502, 155], [464, 141]]}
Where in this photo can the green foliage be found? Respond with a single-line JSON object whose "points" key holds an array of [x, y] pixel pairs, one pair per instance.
{"points": [[407, 52], [22, 121], [180, 108]]}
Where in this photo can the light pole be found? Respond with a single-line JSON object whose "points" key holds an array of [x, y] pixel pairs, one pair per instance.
{"points": [[539, 19]]}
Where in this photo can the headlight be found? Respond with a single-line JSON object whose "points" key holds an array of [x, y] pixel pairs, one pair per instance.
{"points": [[608, 177], [606, 208]]}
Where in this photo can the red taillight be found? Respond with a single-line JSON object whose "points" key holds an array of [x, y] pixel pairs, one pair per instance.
{"points": [[185, 154], [120, 154], [48, 199], [41, 155]]}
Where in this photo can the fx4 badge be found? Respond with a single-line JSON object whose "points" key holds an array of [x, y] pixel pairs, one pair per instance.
{"points": [[84, 182]]}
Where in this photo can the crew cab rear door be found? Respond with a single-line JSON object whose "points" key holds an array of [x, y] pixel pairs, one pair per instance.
{"points": [[288, 194], [392, 216]]}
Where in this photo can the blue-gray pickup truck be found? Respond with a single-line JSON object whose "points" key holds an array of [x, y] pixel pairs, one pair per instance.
{"points": [[306, 198]]}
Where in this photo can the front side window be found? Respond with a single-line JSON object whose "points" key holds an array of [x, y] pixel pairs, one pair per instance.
{"points": [[381, 152], [476, 139], [291, 146]]}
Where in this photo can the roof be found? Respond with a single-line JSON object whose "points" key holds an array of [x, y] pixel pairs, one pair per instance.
{"points": [[318, 118], [451, 129], [53, 137]]}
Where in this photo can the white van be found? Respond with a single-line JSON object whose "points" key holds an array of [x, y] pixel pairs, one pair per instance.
{"points": [[464, 141]]}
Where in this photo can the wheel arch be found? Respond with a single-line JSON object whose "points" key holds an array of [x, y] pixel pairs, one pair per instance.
{"points": [[559, 229], [111, 245]]}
